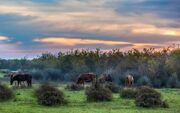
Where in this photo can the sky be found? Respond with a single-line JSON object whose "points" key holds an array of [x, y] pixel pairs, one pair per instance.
{"points": [[31, 27]]}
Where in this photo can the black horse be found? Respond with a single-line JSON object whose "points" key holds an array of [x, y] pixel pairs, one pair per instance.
{"points": [[21, 77]]}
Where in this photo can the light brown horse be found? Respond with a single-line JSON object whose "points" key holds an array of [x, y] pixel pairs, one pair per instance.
{"points": [[105, 78], [129, 80], [86, 77]]}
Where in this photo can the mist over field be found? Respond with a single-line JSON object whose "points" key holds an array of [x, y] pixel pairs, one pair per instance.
{"points": [[149, 67]]}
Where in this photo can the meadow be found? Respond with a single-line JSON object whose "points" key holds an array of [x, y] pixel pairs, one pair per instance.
{"points": [[25, 102], [1, 75]]}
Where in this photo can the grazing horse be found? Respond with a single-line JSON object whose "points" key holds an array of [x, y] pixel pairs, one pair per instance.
{"points": [[21, 77], [129, 80], [86, 77], [105, 78]]}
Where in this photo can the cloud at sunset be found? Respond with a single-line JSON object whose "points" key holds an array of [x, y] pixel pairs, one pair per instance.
{"points": [[3, 38], [62, 24], [77, 41]]}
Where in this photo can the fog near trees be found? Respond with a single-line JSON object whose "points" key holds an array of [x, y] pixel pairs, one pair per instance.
{"points": [[149, 67]]}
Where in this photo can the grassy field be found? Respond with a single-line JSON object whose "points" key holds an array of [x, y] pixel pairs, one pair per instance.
{"points": [[26, 103], [1, 75]]}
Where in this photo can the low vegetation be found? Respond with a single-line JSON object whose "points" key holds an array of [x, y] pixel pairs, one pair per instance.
{"points": [[5, 93], [50, 96], [113, 87], [148, 97], [128, 93], [26, 102], [97, 93]]}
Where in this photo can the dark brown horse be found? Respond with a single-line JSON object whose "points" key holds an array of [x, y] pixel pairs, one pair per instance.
{"points": [[129, 80], [105, 78], [86, 77], [21, 77]]}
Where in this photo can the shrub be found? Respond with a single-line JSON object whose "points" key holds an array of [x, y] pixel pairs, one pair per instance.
{"points": [[5, 93], [74, 87], [50, 96], [173, 82], [113, 87], [157, 83], [128, 93], [37, 74], [148, 97], [97, 93], [54, 74], [144, 80]]}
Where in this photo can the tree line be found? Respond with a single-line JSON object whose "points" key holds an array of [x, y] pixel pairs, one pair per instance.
{"points": [[148, 66]]}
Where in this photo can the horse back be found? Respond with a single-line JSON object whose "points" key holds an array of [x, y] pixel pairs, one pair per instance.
{"points": [[87, 76], [22, 77]]}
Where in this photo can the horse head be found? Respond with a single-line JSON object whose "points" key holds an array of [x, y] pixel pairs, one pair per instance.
{"points": [[109, 78], [11, 79]]}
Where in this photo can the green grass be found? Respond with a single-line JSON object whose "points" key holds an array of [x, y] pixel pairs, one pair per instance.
{"points": [[25, 102], [1, 75]]}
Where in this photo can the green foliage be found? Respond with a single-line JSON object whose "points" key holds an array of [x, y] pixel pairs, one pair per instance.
{"points": [[37, 74], [47, 74], [144, 81], [27, 103], [113, 87], [148, 97], [128, 93], [5, 93], [173, 82], [149, 67], [50, 96], [98, 93]]}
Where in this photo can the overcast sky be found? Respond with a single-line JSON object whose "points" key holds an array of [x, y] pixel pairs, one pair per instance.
{"points": [[30, 27]]}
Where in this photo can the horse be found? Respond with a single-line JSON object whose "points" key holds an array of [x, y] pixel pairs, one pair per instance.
{"points": [[129, 80], [105, 78], [21, 77], [86, 77]]}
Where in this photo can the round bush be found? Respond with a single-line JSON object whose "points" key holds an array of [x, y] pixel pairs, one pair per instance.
{"points": [[113, 87], [98, 93], [5, 93], [74, 87], [148, 97], [128, 93], [50, 96]]}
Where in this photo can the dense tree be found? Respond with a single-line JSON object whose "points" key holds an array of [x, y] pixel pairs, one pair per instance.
{"points": [[157, 68]]}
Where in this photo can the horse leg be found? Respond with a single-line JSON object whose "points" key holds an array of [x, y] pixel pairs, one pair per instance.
{"points": [[125, 82], [18, 83], [15, 83], [83, 83], [29, 83], [93, 82], [132, 83]]}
